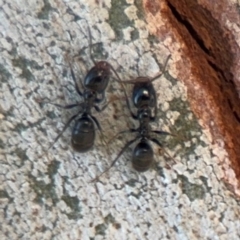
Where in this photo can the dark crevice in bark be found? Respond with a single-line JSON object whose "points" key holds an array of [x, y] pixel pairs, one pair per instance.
{"points": [[183, 20]]}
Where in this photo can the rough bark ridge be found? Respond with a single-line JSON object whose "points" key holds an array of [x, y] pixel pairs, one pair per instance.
{"points": [[214, 55]]}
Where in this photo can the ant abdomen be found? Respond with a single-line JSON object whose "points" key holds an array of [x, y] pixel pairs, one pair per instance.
{"points": [[83, 134], [93, 93], [142, 157]]}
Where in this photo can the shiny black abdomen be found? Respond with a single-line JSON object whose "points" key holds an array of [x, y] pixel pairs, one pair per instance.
{"points": [[83, 134], [142, 156]]}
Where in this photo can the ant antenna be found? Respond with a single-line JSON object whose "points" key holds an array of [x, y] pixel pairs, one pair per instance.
{"points": [[164, 69], [90, 42]]}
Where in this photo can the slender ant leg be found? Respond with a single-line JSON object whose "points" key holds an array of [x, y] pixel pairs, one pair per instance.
{"points": [[97, 123], [90, 45], [98, 109], [163, 71], [162, 132], [162, 148], [124, 131], [75, 82], [63, 130], [128, 144], [156, 142], [64, 107], [153, 79]]}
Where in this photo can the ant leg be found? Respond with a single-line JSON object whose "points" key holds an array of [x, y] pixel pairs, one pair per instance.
{"points": [[134, 116], [97, 123], [75, 82], [99, 128], [124, 90], [65, 127], [90, 42], [98, 109], [162, 148], [102, 137], [162, 133], [156, 142], [115, 160], [163, 70], [90, 45], [154, 78], [124, 131], [64, 107]]}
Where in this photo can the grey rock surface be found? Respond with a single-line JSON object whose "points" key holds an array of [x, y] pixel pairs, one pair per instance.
{"points": [[47, 193]]}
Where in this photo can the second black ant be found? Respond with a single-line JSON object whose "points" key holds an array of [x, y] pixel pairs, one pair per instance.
{"points": [[94, 87], [145, 101]]}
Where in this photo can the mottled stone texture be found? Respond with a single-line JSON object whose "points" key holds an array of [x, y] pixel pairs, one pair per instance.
{"points": [[47, 193]]}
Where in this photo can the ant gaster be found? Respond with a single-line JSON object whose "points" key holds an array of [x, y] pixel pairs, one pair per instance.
{"points": [[145, 101], [94, 86]]}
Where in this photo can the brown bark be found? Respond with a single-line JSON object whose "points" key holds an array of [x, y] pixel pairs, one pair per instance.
{"points": [[213, 52]]}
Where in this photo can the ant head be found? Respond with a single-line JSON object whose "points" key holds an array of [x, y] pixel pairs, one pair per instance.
{"points": [[143, 94], [98, 77]]}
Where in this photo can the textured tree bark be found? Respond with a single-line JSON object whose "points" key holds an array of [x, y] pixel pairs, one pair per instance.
{"points": [[47, 193], [209, 38]]}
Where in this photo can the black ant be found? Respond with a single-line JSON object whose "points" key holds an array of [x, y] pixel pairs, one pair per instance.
{"points": [[94, 84], [145, 101]]}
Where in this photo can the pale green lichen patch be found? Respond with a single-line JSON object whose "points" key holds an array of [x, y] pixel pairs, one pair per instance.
{"points": [[3, 194], [184, 128], [140, 12], [117, 18], [4, 74], [53, 168], [20, 127], [193, 191], [1, 144], [98, 52], [73, 203], [45, 11], [22, 156], [109, 219], [24, 65], [51, 115], [131, 182], [134, 35], [45, 190], [100, 229]]}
